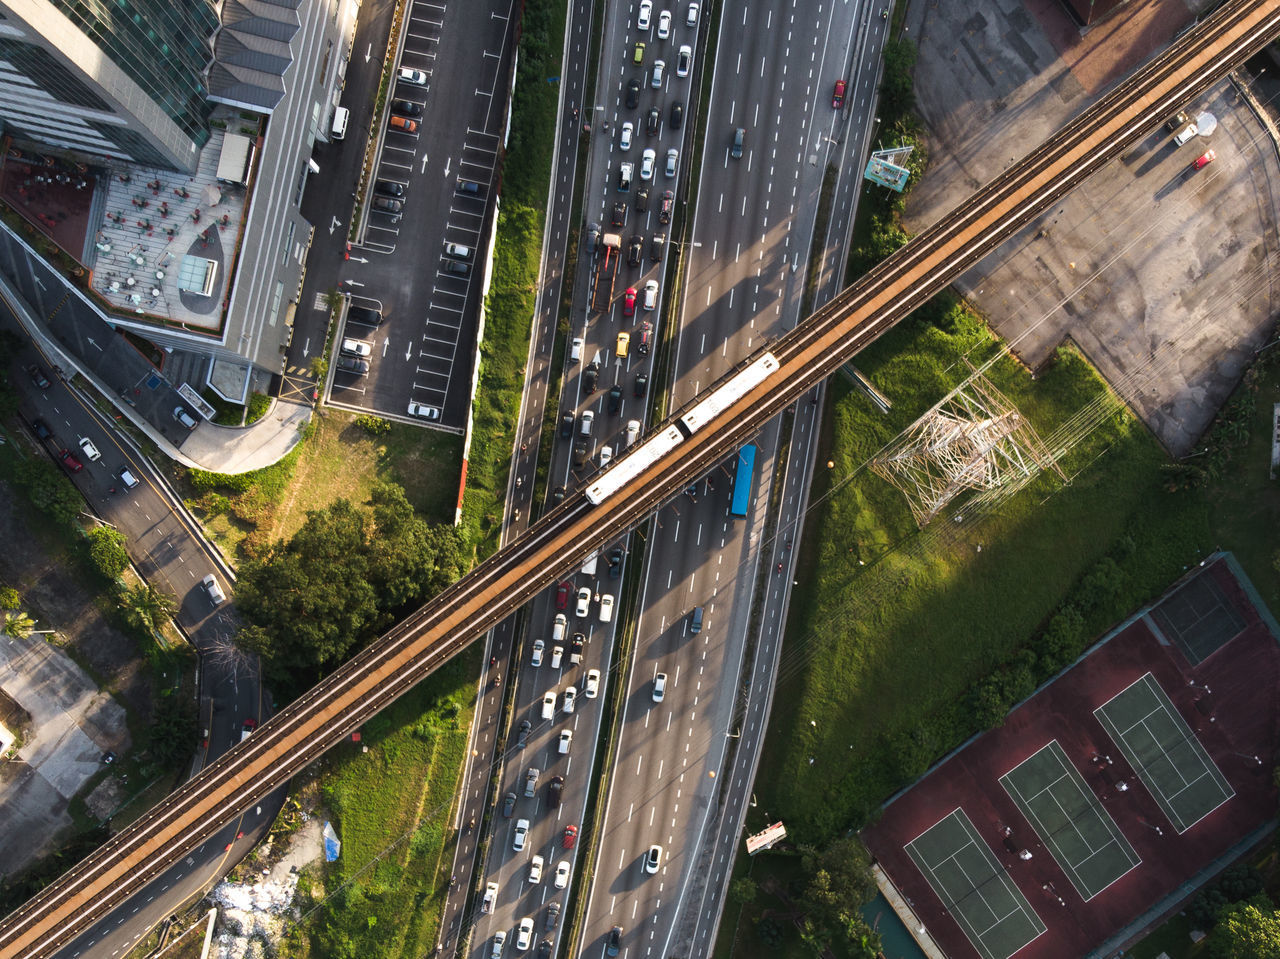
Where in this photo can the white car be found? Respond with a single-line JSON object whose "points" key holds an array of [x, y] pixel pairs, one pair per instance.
{"points": [[591, 688], [490, 897], [606, 454], [539, 647], [659, 687], [664, 24], [566, 740], [90, 450], [624, 138], [653, 860], [524, 934], [499, 940], [659, 68], [684, 61], [570, 697], [556, 653], [633, 431], [549, 700], [584, 602], [691, 18], [645, 15], [606, 608], [535, 869], [562, 873], [648, 160], [357, 348], [426, 412], [522, 833], [416, 77], [673, 160]]}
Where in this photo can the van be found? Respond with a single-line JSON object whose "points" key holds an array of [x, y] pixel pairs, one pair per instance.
{"points": [[1187, 133], [340, 117], [128, 479], [695, 621], [183, 417], [404, 125]]}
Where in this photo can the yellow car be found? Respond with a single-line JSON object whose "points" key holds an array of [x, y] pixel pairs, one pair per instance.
{"points": [[639, 57], [624, 344]]}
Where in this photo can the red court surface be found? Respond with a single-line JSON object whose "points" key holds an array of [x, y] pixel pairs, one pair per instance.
{"points": [[1233, 710]]}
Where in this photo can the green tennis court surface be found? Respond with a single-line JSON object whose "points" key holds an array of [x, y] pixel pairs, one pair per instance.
{"points": [[974, 887], [1161, 746], [1198, 618], [1070, 821]]}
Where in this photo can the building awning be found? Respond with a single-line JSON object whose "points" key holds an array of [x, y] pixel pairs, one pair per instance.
{"points": [[235, 159]]}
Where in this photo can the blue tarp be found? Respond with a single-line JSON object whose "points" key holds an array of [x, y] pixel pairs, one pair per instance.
{"points": [[331, 844]]}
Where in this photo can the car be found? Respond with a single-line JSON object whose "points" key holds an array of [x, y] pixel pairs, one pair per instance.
{"points": [[576, 346], [553, 916], [638, 56], [647, 161], [735, 146], [624, 137], [677, 115], [664, 210], [642, 199], [635, 250], [524, 934], [539, 648], [522, 740], [499, 940], [606, 608], [626, 172], [659, 69], [651, 295], [1189, 131], [558, 495], [691, 18], [388, 187], [406, 108], [664, 24], [69, 461], [617, 553], [657, 246], [562, 874], [633, 94], [570, 698], [211, 589], [591, 688], [386, 204], [589, 377], [555, 790], [684, 60], [549, 700], [535, 869], [615, 398], [1204, 160], [837, 95], [531, 783], [423, 411], [576, 644], [570, 836], [520, 835], [566, 425], [629, 302], [583, 606], [566, 588], [416, 77], [490, 897], [652, 121], [127, 479], [588, 420], [1178, 121], [566, 740], [247, 727], [457, 251], [613, 944], [644, 15], [545, 947], [353, 347], [353, 364], [646, 334], [509, 804], [41, 429], [659, 687], [403, 124], [653, 859], [673, 160], [606, 455], [593, 237], [558, 627], [640, 386], [557, 653], [633, 434], [37, 377], [90, 451], [364, 315], [623, 344], [619, 214]]}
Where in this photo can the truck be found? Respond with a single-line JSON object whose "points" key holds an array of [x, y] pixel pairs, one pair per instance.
{"points": [[606, 272]]}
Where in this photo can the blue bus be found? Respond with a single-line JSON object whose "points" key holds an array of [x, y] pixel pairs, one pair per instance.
{"points": [[742, 481]]}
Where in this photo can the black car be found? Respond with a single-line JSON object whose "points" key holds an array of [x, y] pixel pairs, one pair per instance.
{"points": [[406, 108], [385, 204], [364, 315], [677, 115], [589, 377], [41, 429], [353, 364], [615, 562], [544, 949], [642, 199], [37, 377], [615, 398], [558, 496], [614, 943], [619, 214], [635, 250], [580, 454], [575, 648], [555, 791], [509, 805], [553, 914], [593, 237], [522, 739], [664, 211], [656, 245], [388, 188], [566, 426], [652, 120], [633, 94], [642, 385]]}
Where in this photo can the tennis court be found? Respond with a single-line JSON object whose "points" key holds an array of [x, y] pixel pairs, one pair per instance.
{"points": [[1070, 821], [1198, 618], [1161, 746], [974, 887]]}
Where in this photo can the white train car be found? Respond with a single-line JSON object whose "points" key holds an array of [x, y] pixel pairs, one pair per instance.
{"points": [[633, 464], [738, 387]]}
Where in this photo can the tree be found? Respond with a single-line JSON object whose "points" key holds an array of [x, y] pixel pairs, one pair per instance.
{"points": [[146, 608], [10, 598], [840, 877], [1247, 930], [743, 890], [17, 624], [107, 551]]}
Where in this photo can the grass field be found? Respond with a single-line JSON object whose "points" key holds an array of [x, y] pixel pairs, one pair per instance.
{"points": [[891, 629]]}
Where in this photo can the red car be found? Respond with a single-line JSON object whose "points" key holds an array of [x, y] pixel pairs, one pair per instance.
{"points": [[629, 302], [664, 212], [70, 462], [837, 97], [1204, 160], [562, 595], [570, 836]]}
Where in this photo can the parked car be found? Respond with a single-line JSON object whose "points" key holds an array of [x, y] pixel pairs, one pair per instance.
{"points": [[354, 347], [384, 204], [364, 315], [403, 125], [388, 187], [423, 411], [1204, 160], [416, 77], [406, 108], [353, 364]]}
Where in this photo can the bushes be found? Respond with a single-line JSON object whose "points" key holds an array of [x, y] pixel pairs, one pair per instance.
{"points": [[107, 552], [1236, 884], [373, 425]]}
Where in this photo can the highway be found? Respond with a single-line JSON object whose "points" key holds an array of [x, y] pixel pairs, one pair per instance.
{"points": [[557, 543]]}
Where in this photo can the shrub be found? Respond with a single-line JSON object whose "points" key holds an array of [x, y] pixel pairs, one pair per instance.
{"points": [[107, 552], [373, 425]]}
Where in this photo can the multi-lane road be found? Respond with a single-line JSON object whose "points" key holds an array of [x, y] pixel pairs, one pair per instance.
{"points": [[557, 543]]}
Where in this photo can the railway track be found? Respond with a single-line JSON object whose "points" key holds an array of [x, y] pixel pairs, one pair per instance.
{"points": [[559, 541]]}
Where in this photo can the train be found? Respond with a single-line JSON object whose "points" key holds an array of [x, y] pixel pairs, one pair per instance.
{"points": [[652, 449]]}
